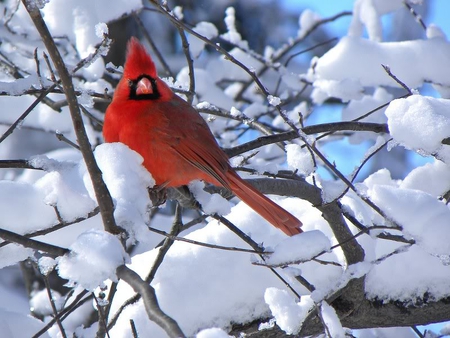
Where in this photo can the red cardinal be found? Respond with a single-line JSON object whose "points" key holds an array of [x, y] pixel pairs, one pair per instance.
{"points": [[174, 140]]}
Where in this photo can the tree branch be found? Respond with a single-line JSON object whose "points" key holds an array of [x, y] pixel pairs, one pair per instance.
{"points": [[32, 244], [318, 128], [101, 191], [148, 294]]}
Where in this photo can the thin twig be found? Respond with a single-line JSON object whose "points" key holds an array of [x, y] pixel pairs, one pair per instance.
{"points": [[417, 332], [64, 139], [416, 15], [133, 329], [64, 313], [52, 303], [102, 325], [190, 62], [152, 44], [56, 227], [387, 69], [22, 117], [255, 246], [207, 245], [174, 231]]}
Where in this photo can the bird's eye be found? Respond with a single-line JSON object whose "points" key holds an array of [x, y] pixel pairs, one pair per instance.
{"points": [[144, 88]]}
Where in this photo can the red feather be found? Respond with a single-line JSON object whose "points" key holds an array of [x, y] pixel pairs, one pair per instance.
{"points": [[174, 140]]}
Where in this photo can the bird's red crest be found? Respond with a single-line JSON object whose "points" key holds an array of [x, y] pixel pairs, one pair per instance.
{"points": [[138, 61]]}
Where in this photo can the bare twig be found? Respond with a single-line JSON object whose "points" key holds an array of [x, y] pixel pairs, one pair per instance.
{"points": [[416, 15], [176, 228], [102, 325], [22, 117], [16, 164], [78, 301], [54, 309], [207, 245], [133, 329], [152, 44], [213, 110], [64, 139], [190, 62], [255, 247], [387, 69]]}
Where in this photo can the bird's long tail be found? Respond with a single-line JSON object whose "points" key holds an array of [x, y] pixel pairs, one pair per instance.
{"points": [[268, 209]]}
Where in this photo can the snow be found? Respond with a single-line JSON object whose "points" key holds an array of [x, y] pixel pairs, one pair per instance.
{"points": [[101, 29], [432, 178], [421, 123], [16, 197], [211, 203], [40, 303], [46, 265], [13, 253], [273, 100], [331, 320], [289, 315], [77, 19], [364, 55], [20, 86], [434, 31], [213, 275], [232, 35], [367, 103], [421, 215], [299, 248], [127, 182], [178, 12], [386, 281], [404, 332], [17, 325], [346, 89], [206, 29], [212, 333], [306, 21], [367, 13], [300, 159], [92, 259]]}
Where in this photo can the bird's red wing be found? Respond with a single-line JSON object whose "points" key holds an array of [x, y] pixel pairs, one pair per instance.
{"points": [[209, 160]]}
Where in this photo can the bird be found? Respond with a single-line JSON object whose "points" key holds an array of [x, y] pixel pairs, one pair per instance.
{"points": [[174, 140]]}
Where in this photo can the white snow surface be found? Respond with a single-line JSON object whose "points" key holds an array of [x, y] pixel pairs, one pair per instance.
{"points": [[127, 182], [421, 123], [300, 159], [211, 203], [301, 247], [367, 13], [289, 315], [331, 320], [355, 63], [191, 276], [206, 29], [214, 332], [92, 259]]}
